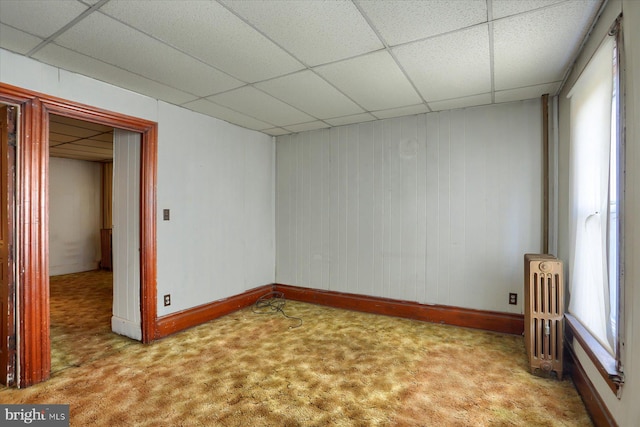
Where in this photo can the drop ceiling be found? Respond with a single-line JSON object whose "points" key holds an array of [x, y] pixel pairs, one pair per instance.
{"points": [[75, 139], [288, 66]]}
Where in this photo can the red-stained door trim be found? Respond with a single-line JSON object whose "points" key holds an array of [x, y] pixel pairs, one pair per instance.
{"points": [[32, 221]]}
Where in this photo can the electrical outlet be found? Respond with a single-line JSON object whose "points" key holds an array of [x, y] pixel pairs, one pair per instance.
{"points": [[166, 215], [513, 298], [167, 300]]}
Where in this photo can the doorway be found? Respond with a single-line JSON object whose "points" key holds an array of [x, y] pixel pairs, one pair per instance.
{"points": [[32, 222], [80, 194], [80, 250]]}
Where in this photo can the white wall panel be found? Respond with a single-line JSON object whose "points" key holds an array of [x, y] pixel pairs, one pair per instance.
{"points": [[259, 209], [365, 205], [335, 199], [126, 234], [217, 180], [435, 208], [378, 209], [74, 216]]}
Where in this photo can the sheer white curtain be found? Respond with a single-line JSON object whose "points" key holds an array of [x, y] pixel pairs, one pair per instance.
{"points": [[591, 110]]}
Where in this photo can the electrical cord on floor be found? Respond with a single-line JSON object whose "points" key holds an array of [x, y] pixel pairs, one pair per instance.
{"points": [[273, 302]]}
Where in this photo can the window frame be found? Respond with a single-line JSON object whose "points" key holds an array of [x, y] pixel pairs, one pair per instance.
{"points": [[610, 366], [605, 363]]}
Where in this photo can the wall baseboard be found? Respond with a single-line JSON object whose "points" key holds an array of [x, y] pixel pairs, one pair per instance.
{"points": [[126, 327], [469, 318], [596, 408], [465, 317], [175, 322]]}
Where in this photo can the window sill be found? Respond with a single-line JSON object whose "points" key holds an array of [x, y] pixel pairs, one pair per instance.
{"points": [[601, 358]]}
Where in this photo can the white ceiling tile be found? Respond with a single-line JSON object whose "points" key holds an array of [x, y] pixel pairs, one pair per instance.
{"points": [[16, 40], [405, 21], [403, 111], [76, 132], [303, 127], [56, 138], [39, 17], [449, 66], [469, 101], [502, 8], [78, 124], [200, 53], [527, 92], [69, 60], [374, 81], [347, 120], [310, 93], [215, 35], [263, 107], [209, 108], [276, 131], [316, 32], [537, 47], [115, 43]]}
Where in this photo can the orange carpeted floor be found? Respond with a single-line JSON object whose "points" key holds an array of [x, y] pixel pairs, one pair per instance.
{"points": [[339, 368]]}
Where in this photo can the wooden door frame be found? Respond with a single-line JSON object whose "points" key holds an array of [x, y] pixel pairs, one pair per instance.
{"points": [[32, 221], [8, 168]]}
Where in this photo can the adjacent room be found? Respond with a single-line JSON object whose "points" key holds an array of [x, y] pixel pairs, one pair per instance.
{"points": [[80, 241], [321, 212]]}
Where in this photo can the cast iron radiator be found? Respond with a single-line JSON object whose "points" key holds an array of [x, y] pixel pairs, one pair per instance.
{"points": [[544, 311]]}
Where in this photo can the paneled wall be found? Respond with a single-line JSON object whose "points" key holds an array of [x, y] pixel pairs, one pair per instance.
{"points": [[435, 208], [74, 216], [126, 234]]}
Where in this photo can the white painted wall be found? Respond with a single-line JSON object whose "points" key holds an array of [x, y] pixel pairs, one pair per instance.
{"points": [[217, 179], [436, 208], [218, 185], [74, 216], [126, 319], [626, 409]]}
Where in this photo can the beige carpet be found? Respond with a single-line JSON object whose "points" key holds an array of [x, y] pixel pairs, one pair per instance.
{"points": [[339, 368], [81, 307]]}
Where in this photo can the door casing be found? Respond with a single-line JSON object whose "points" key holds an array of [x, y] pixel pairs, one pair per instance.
{"points": [[7, 235], [32, 224]]}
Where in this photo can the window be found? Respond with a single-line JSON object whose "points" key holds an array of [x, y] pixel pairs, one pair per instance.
{"points": [[596, 195]]}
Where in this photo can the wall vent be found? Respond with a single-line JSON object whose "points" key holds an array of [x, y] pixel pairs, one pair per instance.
{"points": [[544, 311]]}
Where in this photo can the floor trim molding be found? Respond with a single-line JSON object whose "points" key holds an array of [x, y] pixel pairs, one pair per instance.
{"points": [[596, 407], [508, 323], [176, 322], [469, 318]]}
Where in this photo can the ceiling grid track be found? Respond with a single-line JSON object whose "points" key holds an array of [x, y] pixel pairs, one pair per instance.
{"points": [[72, 23], [283, 67], [491, 50]]}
